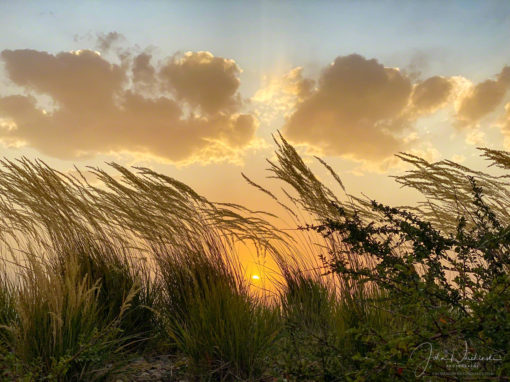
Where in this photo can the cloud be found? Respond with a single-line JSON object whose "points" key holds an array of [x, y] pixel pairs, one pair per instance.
{"points": [[106, 41], [79, 80], [101, 107], [431, 94], [294, 83], [483, 98], [356, 111], [361, 110], [505, 126], [279, 94], [475, 138], [203, 81], [144, 73]]}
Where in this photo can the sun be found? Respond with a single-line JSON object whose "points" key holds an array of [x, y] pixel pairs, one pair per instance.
{"points": [[255, 277]]}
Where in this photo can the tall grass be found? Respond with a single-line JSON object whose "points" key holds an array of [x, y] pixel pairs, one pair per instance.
{"points": [[310, 312], [59, 331], [320, 319], [211, 315], [134, 257], [118, 272], [135, 263], [7, 307]]}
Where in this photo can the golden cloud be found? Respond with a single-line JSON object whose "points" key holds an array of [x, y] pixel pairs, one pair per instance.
{"points": [[279, 94], [431, 94], [356, 111], [483, 98], [203, 81], [183, 110], [365, 111], [505, 126]]}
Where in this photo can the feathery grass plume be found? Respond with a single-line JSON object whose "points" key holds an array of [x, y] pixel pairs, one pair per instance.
{"points": [[320, 203], [41, 205], [161, 209], [447, 189], [498, 158], [443, 205], [312, 195]]}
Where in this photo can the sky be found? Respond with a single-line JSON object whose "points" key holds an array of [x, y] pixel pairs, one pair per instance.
{"points": [[195, 89]]}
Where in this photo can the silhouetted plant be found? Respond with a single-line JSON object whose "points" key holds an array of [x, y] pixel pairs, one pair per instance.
{"points": [[451, 292]]}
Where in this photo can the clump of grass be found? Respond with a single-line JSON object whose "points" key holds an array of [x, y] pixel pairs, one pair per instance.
{"points": [[7, 308], [321, 318], [59, 332], [308, 346], [91, 237], [118, 272], [210, 314]]}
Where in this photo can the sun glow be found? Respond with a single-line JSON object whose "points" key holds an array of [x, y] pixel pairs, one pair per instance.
{"points": [[255, 277]]}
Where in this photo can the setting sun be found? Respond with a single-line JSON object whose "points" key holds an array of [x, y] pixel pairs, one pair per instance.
{"points": [[255, 277]]}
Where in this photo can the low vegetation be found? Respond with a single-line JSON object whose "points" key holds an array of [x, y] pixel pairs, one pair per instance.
{"points": [[102, 269]]}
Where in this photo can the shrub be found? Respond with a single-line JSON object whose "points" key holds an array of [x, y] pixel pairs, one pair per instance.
{"points": [[450, 291]]}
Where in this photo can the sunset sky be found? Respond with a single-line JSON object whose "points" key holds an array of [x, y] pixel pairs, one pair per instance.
{"points": [[195, 89]]}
